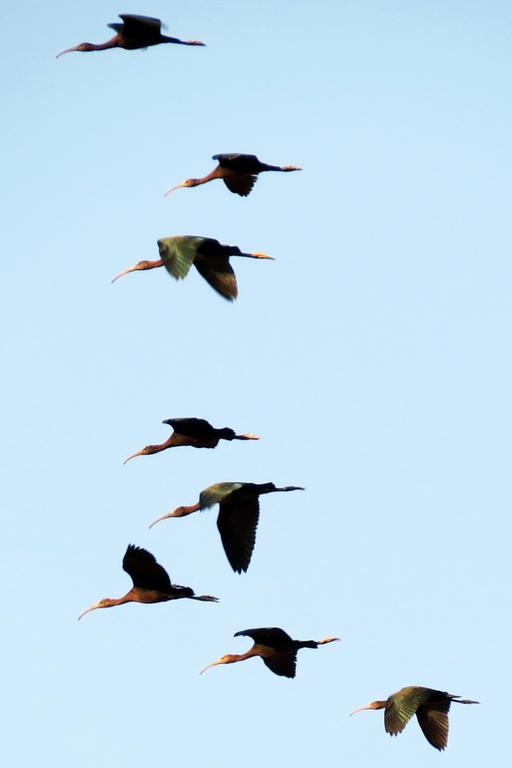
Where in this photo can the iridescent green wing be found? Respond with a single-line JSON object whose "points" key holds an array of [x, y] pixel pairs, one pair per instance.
{"points": [[178, 253], [402, 706], [214, 494]]}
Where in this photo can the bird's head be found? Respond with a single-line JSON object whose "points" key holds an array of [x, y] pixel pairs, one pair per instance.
{"points": [[81, 47], [106, 602], [178, 512], [184, 185], [227, 659], [372, 705]]}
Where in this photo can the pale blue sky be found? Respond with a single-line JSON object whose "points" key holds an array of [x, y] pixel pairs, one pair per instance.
{"points": [[373, 357]]}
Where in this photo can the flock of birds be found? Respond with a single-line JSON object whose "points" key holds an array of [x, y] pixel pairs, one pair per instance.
{"points": [[238, 502]]}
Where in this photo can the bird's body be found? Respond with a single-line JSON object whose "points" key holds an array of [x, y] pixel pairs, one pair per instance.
{"points": [[210, 258], [430, 706], [277, 649], [135, 32], [197, 433], [237, 522], [151, 583], [239, 173]]}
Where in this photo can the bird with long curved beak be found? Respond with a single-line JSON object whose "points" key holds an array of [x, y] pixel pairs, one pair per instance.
{"points": [[197, 433], [430, 706], [210, 258], [135, 32], [238, 517], [274, 646], [151, 583], [238, 171]]}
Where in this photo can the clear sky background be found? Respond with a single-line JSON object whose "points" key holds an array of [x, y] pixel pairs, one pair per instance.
{"points": [[373, 357]]}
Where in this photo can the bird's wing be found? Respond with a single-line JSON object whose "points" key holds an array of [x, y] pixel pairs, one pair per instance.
{"points": [[240, 185], [134, 23], [219, 273], [216, 493], [178, 254], [402, 706], [144, 570], [282, 664], [237, 523], [273, 637], [236, 161], [433, 720], [198, 428]]}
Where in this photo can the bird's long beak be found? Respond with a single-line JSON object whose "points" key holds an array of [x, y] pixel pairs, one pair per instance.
{"points": [[68, 50], [329, 640], [164, 517], [213, 664], [178, 186], [195, 42], [92, 608], [125, 272], [359, 709], [258, 255], [133, 455], [247, 436]]}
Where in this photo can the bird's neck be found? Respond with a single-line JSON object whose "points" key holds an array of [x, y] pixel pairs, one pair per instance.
{"points": [[112, 43], [128, 598], [233, 657]]}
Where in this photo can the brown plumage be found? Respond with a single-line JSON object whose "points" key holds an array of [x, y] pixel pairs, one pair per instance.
{"points": [[134, 32], [430, 706], [275, 647], [239, 173], [197, 433], [151, 583]]}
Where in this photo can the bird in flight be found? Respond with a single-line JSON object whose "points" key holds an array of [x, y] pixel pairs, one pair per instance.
{"points": [[210, 258], [431, 707], [239, 510], [151, 583], [134, 32], [275, 647], [238, 172], [198, 433]]}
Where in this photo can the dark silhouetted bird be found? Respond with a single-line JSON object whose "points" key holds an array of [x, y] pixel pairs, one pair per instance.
{"points": [[210, 258], [198, 433], [151, 583], [134, 32], [239, 510], [275, 647], [238, 172], [431, 707]]}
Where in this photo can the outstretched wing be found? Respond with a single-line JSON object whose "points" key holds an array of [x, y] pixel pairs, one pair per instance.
{"points": [[197, 428], [433, 720], [146, 24], [402, 706], [272, 637], [144, 570], [216, 493], [240, 185], [237, 161], [219, 273], [178, 253], [237, 523], [282, 664]]}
